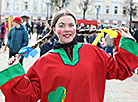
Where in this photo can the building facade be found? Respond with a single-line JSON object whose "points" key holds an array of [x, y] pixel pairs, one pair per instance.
{"points": [[113, 12]]}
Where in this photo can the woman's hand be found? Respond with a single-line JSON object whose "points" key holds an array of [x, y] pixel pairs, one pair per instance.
{"points": [[13, 60], [125, 33]]}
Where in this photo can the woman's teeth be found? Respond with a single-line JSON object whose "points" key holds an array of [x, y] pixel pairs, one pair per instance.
{"points": [[67, 35]]}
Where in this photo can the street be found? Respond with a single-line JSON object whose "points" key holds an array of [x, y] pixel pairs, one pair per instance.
{"points": [[115, 91]]}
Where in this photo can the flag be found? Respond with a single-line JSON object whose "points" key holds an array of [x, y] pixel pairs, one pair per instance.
{"points": [[9, 22], [110, 32], [26, 51]]}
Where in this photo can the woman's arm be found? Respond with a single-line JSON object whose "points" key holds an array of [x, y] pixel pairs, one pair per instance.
{"points": [[125, 58], [18, 86]]}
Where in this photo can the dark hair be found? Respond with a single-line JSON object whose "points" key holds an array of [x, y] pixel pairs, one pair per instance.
{"points": [[62, 12]]}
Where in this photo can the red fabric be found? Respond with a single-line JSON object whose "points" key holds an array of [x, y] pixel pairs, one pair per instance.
{"points": [[85, 82], [87, 22], [6, 24], [17, 20], [117, 40]]}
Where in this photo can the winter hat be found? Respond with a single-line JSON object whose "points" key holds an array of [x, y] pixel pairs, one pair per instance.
{"points": [[17, 20]]}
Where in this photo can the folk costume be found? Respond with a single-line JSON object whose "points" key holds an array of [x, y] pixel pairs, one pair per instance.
{"points": [[71, 72]]}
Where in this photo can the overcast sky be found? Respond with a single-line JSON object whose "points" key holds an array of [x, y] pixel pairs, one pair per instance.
{"points": [[135, 1]]}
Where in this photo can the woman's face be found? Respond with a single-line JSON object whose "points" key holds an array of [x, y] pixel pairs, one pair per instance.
{"points": [[65, 29]]}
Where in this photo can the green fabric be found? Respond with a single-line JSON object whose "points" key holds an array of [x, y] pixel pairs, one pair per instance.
{"points": [[65, 57], [10, 73], [129, 45], [58, 95]]}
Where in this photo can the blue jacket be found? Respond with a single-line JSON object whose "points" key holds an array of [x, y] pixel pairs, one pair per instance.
{"points": [[17, 38]]}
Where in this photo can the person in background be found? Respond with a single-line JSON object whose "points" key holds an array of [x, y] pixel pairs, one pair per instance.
{"points": [[38, 28], [136, 35], [109, 44], [3, 32], [71, 71], [32, 27], [0, 37], [17, 38], [46, 30], [28, 28], [92, 38]]}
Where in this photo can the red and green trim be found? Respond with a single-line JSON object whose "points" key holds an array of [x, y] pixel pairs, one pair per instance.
{"points": [[129, 45], [65, 58], [10, 73]]}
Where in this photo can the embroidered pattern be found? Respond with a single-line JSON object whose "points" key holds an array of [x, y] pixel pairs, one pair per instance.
{"points": [[58, 95], [65, 57]]}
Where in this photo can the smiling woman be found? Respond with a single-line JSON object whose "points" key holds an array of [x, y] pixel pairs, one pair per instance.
{"points": [[71, 71]]}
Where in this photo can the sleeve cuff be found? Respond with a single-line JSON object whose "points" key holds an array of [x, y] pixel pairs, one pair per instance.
{"points": [[129, 45], [10, 73]]}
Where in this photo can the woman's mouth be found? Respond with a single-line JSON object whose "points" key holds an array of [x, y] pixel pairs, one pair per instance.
{"points": [[67, 35]]}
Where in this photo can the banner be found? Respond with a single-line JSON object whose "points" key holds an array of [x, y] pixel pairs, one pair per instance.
{"points": [[87, 22], [9, 22]]}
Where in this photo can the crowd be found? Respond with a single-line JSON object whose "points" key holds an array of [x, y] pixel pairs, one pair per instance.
{"points": [[70, 68], [106, 43], [82, 36]]}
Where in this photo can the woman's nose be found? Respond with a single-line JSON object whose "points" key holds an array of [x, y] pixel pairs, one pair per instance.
{"points": [[67, 28]]}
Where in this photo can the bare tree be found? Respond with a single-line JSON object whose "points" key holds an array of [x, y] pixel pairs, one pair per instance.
{"points": [[84, 6], [59, 3], [56, 5], [131, 10]]}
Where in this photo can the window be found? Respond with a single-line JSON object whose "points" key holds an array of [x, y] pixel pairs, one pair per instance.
{"points": [[35, 5], [26, 5], [8, 5], [107, 9], [116, 10], [89, 8], [124, 11], [135, 13], [44, 6], [67, 4], [16, 4], [78, 8], [98, 8]]}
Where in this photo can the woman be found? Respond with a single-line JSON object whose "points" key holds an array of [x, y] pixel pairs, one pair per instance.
{"points": [[71, 72], [3, 32]]}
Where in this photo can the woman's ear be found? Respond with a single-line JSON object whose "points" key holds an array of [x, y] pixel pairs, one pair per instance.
{"points": [[54, 30]]}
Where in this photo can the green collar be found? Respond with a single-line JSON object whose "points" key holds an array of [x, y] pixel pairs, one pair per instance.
{"points": [[65, 57]]}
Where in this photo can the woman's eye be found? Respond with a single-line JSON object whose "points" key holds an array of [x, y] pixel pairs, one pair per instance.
{"points": [[71, 25], [61, 26]]}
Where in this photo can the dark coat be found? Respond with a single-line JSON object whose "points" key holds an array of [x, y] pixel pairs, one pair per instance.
{"points": [[136, 35], [45, 47]]}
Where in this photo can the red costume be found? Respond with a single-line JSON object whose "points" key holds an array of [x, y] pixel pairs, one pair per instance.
{"points": [[55, 78]]}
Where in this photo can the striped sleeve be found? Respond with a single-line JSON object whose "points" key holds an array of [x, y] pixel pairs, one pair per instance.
{"points": [[10, 73], [129, 45]]}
